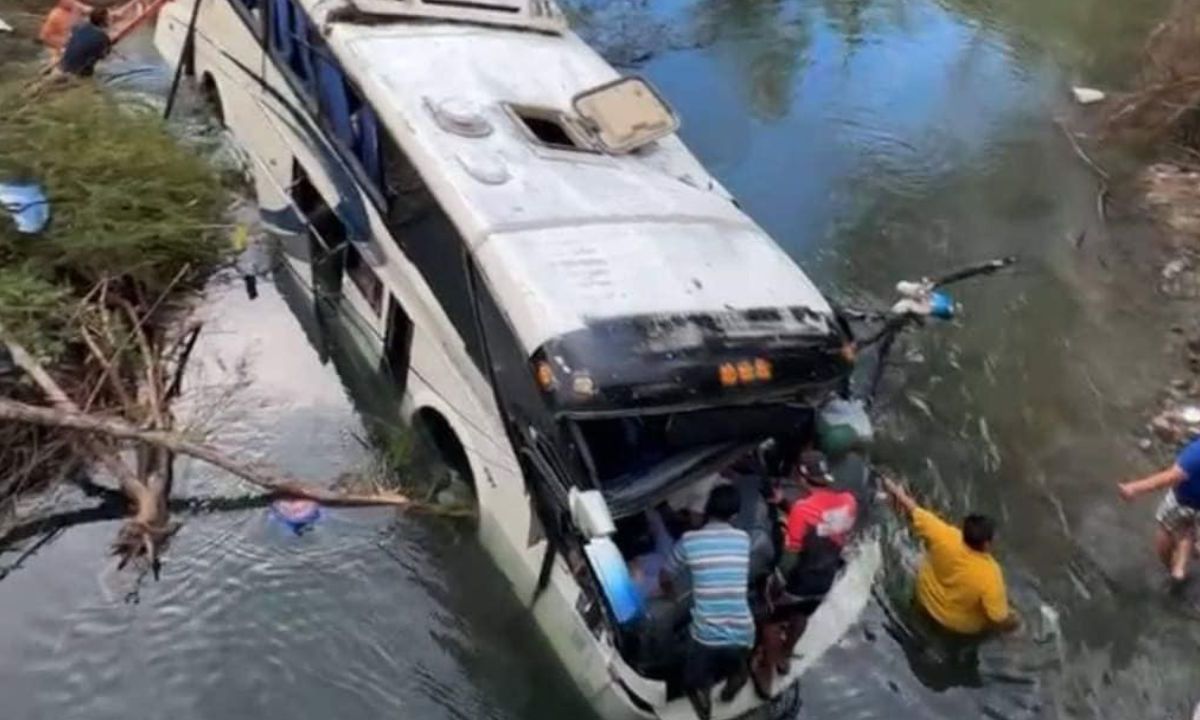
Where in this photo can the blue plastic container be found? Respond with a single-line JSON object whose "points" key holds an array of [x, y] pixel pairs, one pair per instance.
{"points": [[613, 574]]}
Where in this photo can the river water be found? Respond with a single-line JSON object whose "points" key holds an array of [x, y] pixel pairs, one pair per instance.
{"points": [[877, 140]]}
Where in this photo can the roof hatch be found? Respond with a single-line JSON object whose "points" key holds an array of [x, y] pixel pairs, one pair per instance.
{"points": [[540, 15], [625, 114]]}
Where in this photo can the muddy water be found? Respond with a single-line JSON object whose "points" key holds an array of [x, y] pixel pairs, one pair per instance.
{"points": [[877, 141]]}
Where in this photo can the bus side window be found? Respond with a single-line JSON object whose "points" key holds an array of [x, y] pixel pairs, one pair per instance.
{"points": [[364, 278], [347, 115], [397, 349], [404, 191], [290, 31], [333, 100]]}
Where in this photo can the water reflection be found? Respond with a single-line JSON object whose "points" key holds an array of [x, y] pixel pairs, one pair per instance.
{"points": [[765, 41]]}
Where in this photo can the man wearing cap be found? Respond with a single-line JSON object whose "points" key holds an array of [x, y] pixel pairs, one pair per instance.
{"points": [[818, 526]]}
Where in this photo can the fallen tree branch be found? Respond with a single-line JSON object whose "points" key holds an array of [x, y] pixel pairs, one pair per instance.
{"points": [[113, 464], [106, 368], [1100, 172], [182, 361], [12, 410]]}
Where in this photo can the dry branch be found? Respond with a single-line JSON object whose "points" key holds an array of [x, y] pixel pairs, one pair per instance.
{"points": [[272, 480], [59, 399]]}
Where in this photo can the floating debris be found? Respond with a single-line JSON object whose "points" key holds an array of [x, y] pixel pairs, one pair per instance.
{"points": [[1086, 95], [298, 514]]}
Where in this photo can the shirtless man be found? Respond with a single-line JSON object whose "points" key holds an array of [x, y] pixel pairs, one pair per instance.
{"points": [[56, 28]]}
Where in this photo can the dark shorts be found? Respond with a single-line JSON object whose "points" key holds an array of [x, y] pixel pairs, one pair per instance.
{"points": [[941, 658], [707, 664], [788, 606]]}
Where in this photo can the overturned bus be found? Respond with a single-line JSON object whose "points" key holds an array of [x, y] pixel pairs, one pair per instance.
{"points": [[573, 307]]}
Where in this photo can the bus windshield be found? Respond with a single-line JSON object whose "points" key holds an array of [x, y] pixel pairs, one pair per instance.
{"points": [[638, 459]]}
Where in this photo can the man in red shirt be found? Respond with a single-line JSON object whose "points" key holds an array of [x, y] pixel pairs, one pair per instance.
{"points": [[818, 525]]}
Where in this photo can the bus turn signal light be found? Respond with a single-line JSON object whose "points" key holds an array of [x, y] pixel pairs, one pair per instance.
{"points": [[745, 372], [728, 374], [545, 375], [762, 369]]}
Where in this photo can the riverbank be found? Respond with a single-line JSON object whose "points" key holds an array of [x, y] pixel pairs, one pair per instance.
{"points": [[96, 297], [1158, 117]]}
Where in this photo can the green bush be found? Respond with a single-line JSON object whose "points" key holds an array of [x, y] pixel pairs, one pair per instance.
{"points": [[128, 199], [33, 309]]}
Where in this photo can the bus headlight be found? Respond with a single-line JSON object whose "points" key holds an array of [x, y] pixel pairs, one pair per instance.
{"points": [[583, 384]]}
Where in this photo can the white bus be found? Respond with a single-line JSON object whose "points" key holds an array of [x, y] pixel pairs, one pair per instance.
{"points": [[577, 311]]}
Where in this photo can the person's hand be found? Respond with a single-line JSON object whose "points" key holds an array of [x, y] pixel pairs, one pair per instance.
{"points": [[1126, 491], [890, 486]]}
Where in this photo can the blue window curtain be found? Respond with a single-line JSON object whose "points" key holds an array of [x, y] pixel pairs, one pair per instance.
{"points": [[303, 35], [281, 28], [293, 36], [366, 146], [333, 100]]}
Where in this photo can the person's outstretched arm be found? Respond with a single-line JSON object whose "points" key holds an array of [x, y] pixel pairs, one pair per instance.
{"points": [[936, 532], [1170, 477], [899, 495]]}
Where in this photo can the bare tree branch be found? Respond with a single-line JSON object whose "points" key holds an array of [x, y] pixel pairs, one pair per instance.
{"points": [[113, 464], [263, 477]]}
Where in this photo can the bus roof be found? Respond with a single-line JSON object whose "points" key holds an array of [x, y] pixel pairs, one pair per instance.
{"points": [[562, 234]]}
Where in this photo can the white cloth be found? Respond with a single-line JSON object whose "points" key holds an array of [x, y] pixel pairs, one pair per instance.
{"points": [[694, 497]]}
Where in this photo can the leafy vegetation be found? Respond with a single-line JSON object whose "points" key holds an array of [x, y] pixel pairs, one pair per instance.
{"points": [[128, 201], [135, 226]]}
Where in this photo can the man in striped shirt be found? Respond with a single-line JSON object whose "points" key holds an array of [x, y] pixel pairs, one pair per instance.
{"points": [[716, 561]]}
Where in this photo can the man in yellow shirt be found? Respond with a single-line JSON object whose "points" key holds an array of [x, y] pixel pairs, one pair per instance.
{"points": [[960, 585]]}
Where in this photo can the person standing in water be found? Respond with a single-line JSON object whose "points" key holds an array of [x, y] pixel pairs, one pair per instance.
{"points": [[56, 28], [89, 44], [1178, 512], [959, 585]]}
